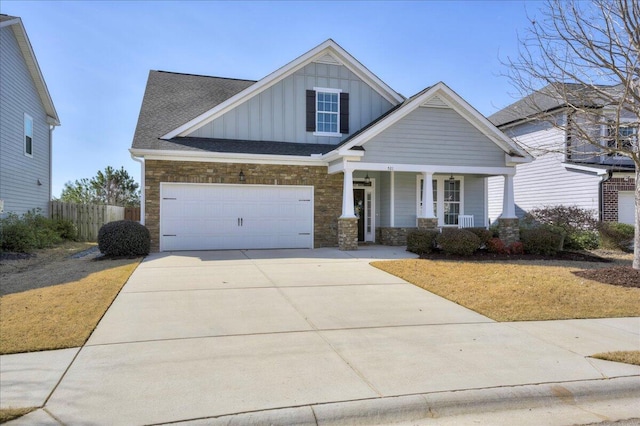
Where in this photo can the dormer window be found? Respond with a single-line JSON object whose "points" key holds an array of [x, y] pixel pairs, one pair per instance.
{"points": [[327, 112]]}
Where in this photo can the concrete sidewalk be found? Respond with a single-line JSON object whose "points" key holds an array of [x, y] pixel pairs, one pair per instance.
{"points": [[290, 336]]}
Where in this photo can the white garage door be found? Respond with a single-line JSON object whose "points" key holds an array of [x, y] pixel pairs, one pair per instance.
{"points": [[626, 207], [223, 217]]}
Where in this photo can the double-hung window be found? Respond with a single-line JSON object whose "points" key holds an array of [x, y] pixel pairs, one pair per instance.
{"points": [[28, 135], [327, 112], [624, 138]]}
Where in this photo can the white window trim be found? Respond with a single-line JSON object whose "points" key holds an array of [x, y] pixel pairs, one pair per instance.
{"points": [[605, 137], [327, 90], [440, 181], [24, 135]]}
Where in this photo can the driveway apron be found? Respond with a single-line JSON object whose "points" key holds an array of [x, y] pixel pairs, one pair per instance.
{"points": [[197, 335]]}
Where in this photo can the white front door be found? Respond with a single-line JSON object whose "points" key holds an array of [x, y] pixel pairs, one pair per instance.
{"points": [[223, 217]]}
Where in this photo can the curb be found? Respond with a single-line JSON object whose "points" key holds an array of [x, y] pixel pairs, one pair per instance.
{"points": [[407, 408]]}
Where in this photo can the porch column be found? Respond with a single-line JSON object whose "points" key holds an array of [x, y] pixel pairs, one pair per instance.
{"points": [[508, 199], [508, 224], [348, 222], [427, 220], [347, 195]]}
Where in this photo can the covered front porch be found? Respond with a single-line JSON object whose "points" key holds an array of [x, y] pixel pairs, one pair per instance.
{"points": [[381, 205]]}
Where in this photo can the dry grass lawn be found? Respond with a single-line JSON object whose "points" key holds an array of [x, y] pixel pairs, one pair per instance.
{"points": [[62, 299], [628, 357], [519, 291]]}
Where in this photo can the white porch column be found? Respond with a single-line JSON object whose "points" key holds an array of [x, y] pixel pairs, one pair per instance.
{"points": [[427, 196], [347, 195], [508, 199]]}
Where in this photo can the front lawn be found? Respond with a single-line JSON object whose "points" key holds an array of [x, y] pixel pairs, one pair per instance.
{"points": [[519, 291], [53, 301]]}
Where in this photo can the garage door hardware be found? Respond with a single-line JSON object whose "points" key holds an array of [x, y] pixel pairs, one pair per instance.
{"points": [[169, 235], [169, 198], [240, 221]]}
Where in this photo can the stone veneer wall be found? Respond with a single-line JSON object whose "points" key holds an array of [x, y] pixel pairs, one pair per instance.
{"points": [[509, 230], [327, 189], [393, 236], [348, 234], [610, 196]]}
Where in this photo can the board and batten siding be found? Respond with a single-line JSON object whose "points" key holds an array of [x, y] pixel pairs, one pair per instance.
{"points": [[544, 181], [435, 136], [279, 112], [19, 174]]}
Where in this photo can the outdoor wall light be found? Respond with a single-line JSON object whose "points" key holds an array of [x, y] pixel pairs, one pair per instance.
{"points": [[367, 179], [38, 182], [241, 176], [451, 178]]}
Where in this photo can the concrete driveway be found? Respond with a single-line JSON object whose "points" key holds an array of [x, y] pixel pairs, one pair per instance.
{"points": [[198, 335]]}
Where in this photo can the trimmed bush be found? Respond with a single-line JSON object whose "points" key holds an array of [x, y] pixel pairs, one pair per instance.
{"points": [[516, 248], [616, 236], [482, 233], [421, 241], [495, 245], [124, 238], [578, 224], [458, 242], [544, 240]]}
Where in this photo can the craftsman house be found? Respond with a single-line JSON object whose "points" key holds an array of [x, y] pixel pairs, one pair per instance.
{"points": [[321, 152]]}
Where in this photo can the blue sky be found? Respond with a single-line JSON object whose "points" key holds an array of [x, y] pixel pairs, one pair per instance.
{"points": [[96, 55]]}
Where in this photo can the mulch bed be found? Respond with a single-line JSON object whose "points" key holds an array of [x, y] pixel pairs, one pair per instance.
{"points": [[624, 276], [15, 256]]}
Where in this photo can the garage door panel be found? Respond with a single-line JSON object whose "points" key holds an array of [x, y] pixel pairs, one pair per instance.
{"points": [[215, 216], [626, 207]]}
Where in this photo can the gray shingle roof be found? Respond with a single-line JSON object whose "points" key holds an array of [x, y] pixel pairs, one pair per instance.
{"points": [[171, 100], [243, 146], [549, 99]]}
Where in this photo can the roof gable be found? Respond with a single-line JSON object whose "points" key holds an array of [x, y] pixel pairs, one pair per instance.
{"points": [[437, 96], [328, 52], [15, 23]]}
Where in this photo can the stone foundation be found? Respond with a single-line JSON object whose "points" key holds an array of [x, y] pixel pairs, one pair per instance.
{"points": [[348, 234], [509, 230], [393, 236], [427, 223]]}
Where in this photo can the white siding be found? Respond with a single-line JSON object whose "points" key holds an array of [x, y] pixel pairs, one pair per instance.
{"points": [[279, 112], [19, 174], [435, 136], [544, 181]]}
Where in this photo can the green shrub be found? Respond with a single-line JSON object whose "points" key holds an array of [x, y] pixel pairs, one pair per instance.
{"points": [[616, 236], [66, 229], [458, 242], [545, 240], [16, 235], [581, 240], [421, 241], [124, 238], [578, 224], [482, 233]]}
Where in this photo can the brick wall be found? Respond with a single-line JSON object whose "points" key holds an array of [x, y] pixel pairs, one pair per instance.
{"points": [[327, 189], [610, 196]]}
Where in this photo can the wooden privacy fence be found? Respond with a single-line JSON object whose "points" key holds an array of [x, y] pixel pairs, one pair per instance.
{"points": [[132, 213], [87, 217]]}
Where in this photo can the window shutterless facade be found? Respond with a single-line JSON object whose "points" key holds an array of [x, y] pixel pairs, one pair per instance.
{"points": [[28, 135]]}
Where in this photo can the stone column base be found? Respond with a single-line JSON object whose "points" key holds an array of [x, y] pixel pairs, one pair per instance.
{"points": [[348, 234], [509, 230], [427, 223]]}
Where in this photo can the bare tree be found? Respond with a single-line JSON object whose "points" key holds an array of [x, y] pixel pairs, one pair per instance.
{"points": [[578, 69]]}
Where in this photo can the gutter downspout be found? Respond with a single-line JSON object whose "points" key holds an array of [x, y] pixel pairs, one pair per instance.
{"points": [[142, 188], [604, 179], [51, 129]]}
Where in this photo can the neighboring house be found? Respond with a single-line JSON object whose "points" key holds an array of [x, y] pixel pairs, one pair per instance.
{"points": [[320, 152], [561, 175], [27, 120]]}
